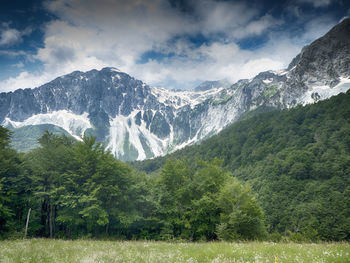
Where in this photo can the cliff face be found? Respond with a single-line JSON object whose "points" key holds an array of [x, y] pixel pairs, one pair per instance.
{"points": [[323, 63]]}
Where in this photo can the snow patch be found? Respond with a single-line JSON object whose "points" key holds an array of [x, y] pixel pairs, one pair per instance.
{"points": [[178, 99], [267, 81], [75, 125], [120, 126], [317, 93], [115, 70], [282, 72], [213, 121]]}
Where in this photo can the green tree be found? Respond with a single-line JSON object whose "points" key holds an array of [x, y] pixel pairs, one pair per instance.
{"points": [[12, 186], [241, 217], [46, 166]]}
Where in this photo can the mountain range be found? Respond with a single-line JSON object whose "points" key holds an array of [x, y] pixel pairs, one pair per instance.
{"points": [[136, 121]]}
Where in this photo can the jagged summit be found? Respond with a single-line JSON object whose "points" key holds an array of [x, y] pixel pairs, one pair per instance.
{"points": [[321, 70], [137, 121], [326, 59]]}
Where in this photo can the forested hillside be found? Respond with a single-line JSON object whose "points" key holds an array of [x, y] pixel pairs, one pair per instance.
{"points": [[297, 161], [283, 174]]}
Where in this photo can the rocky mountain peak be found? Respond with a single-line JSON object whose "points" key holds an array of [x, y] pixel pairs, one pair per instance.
{"points": [[136, 121], [325, 60]]}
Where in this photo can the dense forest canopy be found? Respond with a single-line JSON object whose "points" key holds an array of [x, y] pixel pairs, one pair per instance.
{"points": [[297, 162], [77, 189], [283, 174]]}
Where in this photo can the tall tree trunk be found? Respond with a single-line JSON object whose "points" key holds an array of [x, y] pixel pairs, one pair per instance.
{"points": [[26, 230]]}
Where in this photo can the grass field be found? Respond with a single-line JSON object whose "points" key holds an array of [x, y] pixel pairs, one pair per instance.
{"points": [[42, 250]]}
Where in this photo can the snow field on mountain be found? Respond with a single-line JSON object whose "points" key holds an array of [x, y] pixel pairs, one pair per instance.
{"points": [[75, 125], [324, 92], [125, 126]]}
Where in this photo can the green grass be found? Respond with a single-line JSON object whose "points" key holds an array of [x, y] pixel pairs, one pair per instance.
{"points": [[270, 90], [41, 250]]}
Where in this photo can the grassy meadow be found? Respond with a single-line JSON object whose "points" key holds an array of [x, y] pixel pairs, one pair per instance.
{"points": [[43, 250]]}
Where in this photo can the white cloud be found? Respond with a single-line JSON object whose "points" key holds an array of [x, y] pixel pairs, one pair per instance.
{"points": [[93, 34], [12, 53], [24, 80], [316, 28], [18, 65], [217, 61], [217, 17], [10, 37]]}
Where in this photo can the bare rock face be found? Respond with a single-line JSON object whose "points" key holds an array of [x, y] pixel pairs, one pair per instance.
{"points": [[322, 63], [327, 59], [136, 121]]}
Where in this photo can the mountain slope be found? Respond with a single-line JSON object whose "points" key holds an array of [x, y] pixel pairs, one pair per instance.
{"points": [[136, 121], [297, 161]]}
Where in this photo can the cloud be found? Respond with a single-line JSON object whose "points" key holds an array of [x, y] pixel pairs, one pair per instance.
{"points": [[24, 80], [217, 17], [217, 61], [257, 27], [316, 28], [91, 34], [12, 53], [18, 65], [10, 36]]}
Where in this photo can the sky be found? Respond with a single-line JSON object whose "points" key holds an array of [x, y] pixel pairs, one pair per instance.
{"points": [[176, 44]]}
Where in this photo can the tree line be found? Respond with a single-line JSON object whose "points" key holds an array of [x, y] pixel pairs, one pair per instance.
{"points": [[77, 189]]}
